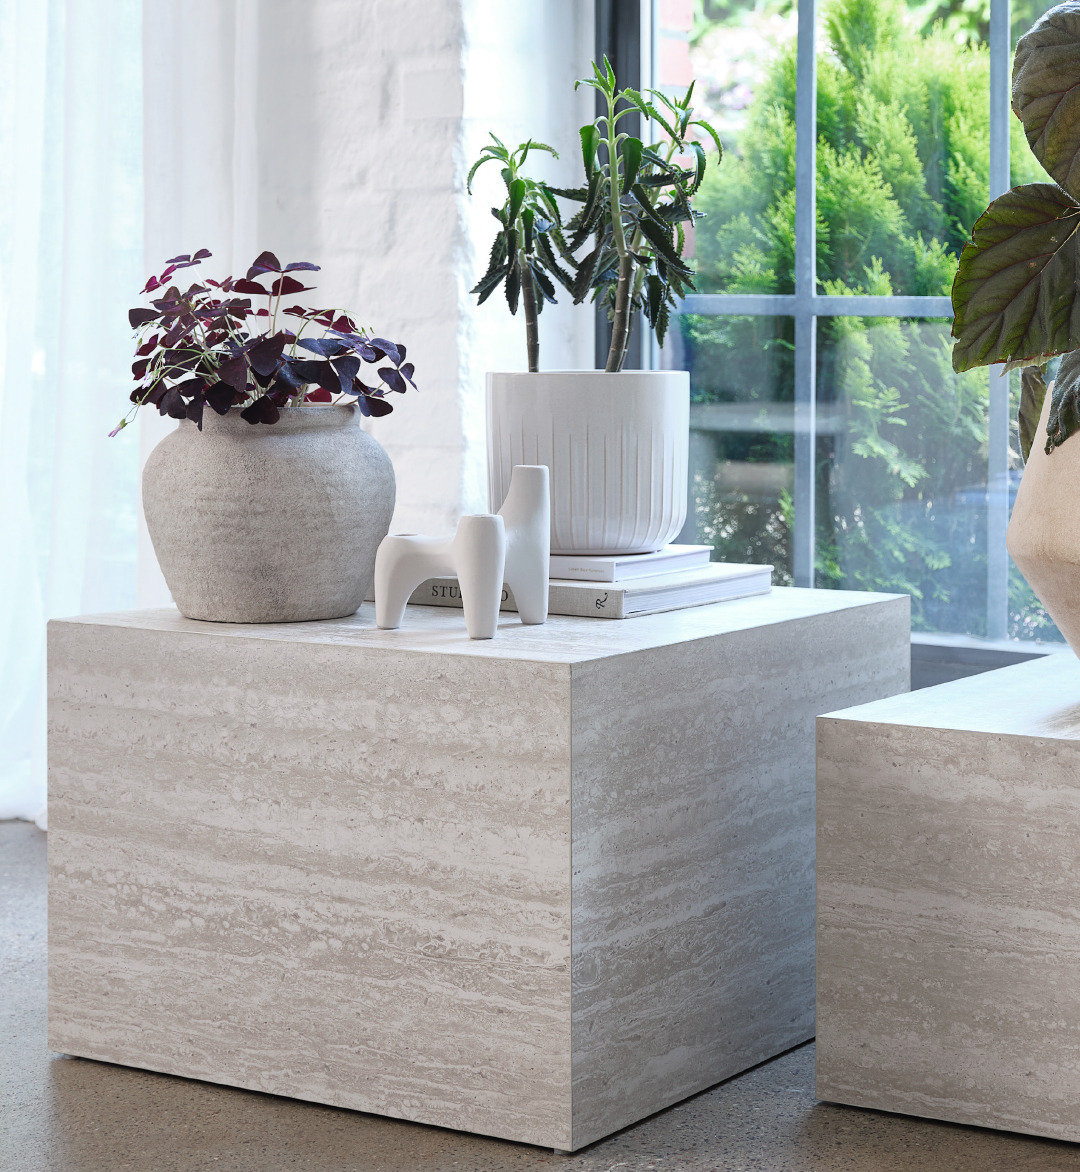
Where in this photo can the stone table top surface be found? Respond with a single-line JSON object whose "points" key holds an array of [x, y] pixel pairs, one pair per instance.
{"points": [[1039, 698], [563, 639]]}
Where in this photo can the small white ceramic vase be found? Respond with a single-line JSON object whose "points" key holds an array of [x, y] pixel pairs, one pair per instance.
{"points": [[269, 523], [1044, 530], [616, 446], [488, 550]]}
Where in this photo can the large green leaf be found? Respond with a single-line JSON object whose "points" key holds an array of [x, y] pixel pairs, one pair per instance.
{"points": [[1046, 92], [1064, 418], [1014, 296]]}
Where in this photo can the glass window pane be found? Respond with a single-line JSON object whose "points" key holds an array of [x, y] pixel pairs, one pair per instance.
{"points": [[901, 480], [903, 146], [742, 53], [741, 436]]}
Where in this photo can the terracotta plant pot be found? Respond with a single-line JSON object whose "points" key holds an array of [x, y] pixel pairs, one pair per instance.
{"points": [[269, 523], [616, 446], [1043, 538]]}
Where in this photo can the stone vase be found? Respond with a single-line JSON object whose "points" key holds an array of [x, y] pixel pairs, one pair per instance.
{"points": [[1043, 538], [616, 446], [269, 523]]}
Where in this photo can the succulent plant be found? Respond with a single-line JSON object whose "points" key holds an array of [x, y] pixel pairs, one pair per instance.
{"points": [[634, 201]]}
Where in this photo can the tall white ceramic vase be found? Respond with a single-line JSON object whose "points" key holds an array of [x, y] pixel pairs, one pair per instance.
{"points": [[616, 446]]}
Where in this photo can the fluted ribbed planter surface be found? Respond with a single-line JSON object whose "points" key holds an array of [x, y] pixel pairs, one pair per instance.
{"points": [[269, 523], [616, 446]]}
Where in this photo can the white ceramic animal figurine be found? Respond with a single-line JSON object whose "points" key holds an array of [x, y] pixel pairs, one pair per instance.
{"points": [[512, 546]]}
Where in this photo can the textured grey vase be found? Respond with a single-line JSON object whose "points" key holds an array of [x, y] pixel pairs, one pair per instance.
{"points": [[269, 524]]}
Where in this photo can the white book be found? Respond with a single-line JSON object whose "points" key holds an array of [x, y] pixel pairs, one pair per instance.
{"points": [[620, 567], [713, 582]]}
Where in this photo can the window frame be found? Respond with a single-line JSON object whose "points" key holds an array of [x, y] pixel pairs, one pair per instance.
{"points": [[806, 304]]}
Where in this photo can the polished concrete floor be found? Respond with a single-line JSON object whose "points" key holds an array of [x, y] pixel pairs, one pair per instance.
{"points": [[62, 1114]]}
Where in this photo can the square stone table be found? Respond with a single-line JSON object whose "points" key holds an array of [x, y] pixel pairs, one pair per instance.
{"points": [[537, 887], [949, 901]]}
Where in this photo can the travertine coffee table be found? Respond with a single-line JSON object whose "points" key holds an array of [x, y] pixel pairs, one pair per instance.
{"points": [[949, 901], [537, 887]]}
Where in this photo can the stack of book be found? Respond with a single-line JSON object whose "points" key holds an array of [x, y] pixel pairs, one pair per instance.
{"points": [[622, 586]]}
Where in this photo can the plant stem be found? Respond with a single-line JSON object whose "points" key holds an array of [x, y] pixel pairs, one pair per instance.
{"points": [[621, 321], [528, 305]]}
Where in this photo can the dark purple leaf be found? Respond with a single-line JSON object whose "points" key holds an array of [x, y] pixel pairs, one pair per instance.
{"points": [[234, 372], [153, 396], [301, 264], [407, 372], [296, 311], [176, 260], [344, 325], [195, 410], [265, 355], [288, 376], [326, 376], [286, 286], [267, 261], [138, 369], [261, 411], [327, 347], [347, 368], [305, 369], [172, 404], [401, 353], [152, 284], [392, 379], [249, 286], [195, 385], [139, 317], [375, 406], [318, 396], [202, 254], [389, 349], [221, 397]]}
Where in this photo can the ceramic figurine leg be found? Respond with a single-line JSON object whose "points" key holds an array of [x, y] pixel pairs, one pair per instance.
{"points": [[402, 563], [527, 515], [479, 552]]}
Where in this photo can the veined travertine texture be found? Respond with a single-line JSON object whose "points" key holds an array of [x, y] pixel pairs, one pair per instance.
{"points": [[337, 863], [948, 897]]}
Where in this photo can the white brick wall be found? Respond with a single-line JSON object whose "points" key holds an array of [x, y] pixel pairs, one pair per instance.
{"points": [[341, 131]]}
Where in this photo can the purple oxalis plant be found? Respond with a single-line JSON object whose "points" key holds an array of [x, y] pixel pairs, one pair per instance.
{"points": [[208, 346]]}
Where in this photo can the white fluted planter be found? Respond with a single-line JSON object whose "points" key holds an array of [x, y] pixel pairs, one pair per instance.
{"points": [[269, 523], [616, 446]]}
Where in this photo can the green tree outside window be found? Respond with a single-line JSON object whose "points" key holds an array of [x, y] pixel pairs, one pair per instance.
{"points": [[903, 165]]}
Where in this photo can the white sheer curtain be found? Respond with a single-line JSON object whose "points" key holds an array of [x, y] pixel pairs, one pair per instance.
{"points": [[70, 262]]}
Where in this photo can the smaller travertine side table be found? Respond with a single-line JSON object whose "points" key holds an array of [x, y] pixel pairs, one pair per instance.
{"points": [[537, 887], [949, 901]]}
